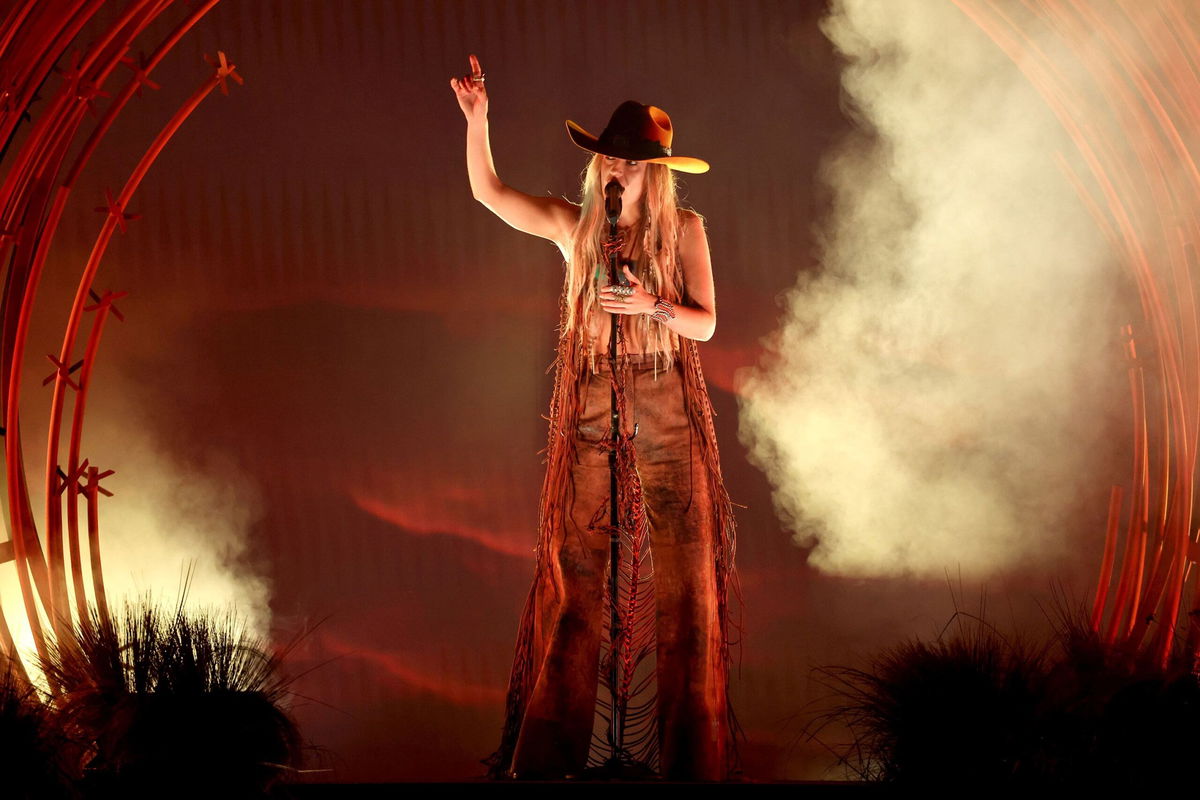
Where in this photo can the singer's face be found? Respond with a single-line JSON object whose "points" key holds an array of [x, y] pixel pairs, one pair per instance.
{"points": [[631, 174]]}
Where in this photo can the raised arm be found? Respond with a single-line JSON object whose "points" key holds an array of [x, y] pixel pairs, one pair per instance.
{"points": [[548, 217]]}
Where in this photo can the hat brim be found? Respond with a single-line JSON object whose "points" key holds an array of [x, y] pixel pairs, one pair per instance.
{"points": [[586, 141]]}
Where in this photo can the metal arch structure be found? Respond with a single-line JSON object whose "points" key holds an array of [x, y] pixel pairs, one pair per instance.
{"points": [[1131, 112], [53, 571]]}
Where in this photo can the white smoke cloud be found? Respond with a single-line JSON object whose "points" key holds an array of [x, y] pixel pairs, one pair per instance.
{"points": [[168, 521], [173, 517], [934, 399], [177, 516]]}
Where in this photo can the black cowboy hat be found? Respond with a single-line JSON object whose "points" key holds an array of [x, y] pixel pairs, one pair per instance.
{"points": [[636, 133]]}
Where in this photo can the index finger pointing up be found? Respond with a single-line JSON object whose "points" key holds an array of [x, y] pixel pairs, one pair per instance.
{"points": [[476, 70]]}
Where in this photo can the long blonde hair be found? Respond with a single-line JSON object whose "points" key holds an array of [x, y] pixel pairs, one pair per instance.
{"points": [[657, 262]]}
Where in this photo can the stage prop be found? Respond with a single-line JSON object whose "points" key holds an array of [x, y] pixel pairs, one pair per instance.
{"points": [[1124, 81], [57, 562]]}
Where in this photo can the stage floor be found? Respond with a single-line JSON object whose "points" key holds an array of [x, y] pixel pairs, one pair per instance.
{"points": [[576, 788]]}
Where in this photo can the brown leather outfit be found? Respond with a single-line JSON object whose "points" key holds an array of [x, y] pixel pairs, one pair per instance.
{"points": [[672, 492]]}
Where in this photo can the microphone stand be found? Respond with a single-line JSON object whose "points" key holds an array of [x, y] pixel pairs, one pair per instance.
{"points": [[620, 764], [612, 210]]}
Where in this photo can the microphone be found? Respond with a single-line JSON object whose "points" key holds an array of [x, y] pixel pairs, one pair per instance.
{"points": [[612, 200]]}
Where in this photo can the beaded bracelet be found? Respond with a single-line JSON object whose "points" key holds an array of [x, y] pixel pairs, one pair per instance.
{"points": [[663, 310]]}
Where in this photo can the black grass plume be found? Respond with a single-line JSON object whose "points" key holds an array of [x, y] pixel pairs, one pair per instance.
{"points": [[976, 709], [34, 757], [175, 699]]}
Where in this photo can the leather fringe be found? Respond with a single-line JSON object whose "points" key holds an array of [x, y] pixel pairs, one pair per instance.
{"points": [[571, 367]]}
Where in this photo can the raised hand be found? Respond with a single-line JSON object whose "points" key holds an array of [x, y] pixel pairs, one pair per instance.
{"points": [[471, 93], [640, 302]]}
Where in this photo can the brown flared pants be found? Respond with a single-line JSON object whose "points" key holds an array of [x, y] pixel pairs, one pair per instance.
{"points": [[569, 607]]}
